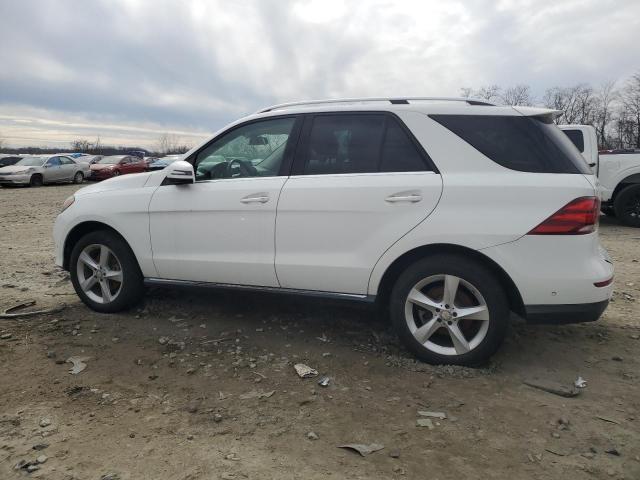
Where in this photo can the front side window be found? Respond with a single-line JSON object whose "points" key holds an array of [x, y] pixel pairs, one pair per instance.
{"points": [[361, 143], [253, 150], [54, 162]]}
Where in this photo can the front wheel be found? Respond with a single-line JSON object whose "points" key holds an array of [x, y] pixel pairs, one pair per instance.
{"points": [[36, 180], [448, 309], [105, 273], [627, 206]]}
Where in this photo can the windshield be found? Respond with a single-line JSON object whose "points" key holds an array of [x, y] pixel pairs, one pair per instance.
{"points": [[109, 160], [31, 161]]}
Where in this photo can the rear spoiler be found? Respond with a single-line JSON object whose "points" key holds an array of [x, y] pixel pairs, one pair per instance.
{"points": [[538, 112]]}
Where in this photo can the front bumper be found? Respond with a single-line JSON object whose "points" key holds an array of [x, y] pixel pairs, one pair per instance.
{"points": [[15, 179], [561, 314], [99, 175]]}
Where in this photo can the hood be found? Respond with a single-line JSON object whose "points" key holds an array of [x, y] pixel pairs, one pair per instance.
{"points": [[15, 168], [123, 182], [102, 166]]}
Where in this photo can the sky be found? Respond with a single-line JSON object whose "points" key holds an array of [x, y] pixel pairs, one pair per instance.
{"points": [[128, 71]]}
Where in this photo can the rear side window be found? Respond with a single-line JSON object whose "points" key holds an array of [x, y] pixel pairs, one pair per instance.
{"points": [[363, 143], [576, 138], [526, 144]]}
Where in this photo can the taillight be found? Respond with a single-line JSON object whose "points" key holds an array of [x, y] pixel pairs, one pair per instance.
{"points": [[578, 217]]}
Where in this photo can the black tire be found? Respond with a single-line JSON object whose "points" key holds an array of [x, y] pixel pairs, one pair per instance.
{"points": [[627, 205], [132, 289], [78, 178], [36, 180], [116, 173], [608, 210], [476, 275]]}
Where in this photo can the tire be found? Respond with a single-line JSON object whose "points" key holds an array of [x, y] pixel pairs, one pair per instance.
{"points": [[608, 210], [78, 178], [627, 205], [126, 289], [477, 287], [36, 180], [116, 173]]}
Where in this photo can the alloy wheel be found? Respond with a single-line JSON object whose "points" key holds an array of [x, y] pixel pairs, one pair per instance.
{"points": [[99, 273], [447, 315]]}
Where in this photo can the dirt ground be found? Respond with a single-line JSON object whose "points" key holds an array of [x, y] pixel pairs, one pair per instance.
{"points": [[201, 385]]}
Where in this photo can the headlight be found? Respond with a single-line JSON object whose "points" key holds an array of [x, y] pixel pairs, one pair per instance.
{"points": [[68, 202]]}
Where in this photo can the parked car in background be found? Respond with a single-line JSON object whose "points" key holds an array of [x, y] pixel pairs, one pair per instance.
{"points": [[39, 170], [9, 159], [115, 165], [450, 214], [618, 173], [160, 163], [89, 158]]}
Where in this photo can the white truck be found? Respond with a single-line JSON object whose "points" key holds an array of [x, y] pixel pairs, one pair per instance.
{"points": [[618, 173]]}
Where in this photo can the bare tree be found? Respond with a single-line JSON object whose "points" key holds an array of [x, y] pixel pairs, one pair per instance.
{"points": [[578, 103], [169, 143], [1, 142], [630, 113], [81, 145], [517, 95], [605, 97], [490, 93], [97, 146]]}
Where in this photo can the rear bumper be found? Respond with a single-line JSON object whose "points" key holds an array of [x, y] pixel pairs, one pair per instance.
{"points": [[561, 314]]}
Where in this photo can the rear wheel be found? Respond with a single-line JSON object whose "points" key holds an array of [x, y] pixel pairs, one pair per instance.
{"points": [[105, 273], [627, 206], [78, 177], [449, 310], [36, 180]]}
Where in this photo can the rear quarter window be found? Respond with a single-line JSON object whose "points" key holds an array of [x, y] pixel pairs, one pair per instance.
{"points": [[525, 144], [576, 138]]}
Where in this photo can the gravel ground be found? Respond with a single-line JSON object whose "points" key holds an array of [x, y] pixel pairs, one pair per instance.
{"points": [[201, 385]]}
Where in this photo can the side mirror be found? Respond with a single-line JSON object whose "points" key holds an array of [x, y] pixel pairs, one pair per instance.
{"points": [[179, 173]]}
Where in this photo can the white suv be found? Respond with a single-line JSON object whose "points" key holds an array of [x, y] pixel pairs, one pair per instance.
{"points": [[450, 213]]}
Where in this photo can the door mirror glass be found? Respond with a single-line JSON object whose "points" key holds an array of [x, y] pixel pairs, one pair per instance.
{"points": [[179, 173]]}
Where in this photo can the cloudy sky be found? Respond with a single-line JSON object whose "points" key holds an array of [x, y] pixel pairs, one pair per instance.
{"points": [[129, 70]]}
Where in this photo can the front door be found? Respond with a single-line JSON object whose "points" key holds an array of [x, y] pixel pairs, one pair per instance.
{"points": [[359, 183], [53, 170], [221, 228]]}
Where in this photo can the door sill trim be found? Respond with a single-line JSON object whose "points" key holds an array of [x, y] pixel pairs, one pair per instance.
{"points": [[151, 281]]}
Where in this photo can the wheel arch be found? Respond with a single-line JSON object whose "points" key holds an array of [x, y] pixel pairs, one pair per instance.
{"points": [[79, 231], [625, 182], [394, 270]]}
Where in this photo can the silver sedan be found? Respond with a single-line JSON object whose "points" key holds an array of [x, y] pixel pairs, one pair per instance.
{"points": [[38, 170]]}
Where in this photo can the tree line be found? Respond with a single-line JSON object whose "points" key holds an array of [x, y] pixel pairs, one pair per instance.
{"points": [[166, 144], [613, 107]]}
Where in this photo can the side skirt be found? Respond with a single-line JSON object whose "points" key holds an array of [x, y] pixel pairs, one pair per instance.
{"points": [[162, 282]]}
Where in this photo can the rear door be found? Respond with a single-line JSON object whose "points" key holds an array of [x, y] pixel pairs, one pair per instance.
{"points": [[68, 168], [360, 181]]}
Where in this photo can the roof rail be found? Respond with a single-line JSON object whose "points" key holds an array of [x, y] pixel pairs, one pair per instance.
{"points": [[394, 101]]}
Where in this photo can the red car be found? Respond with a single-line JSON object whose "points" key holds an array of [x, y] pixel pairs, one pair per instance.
{"points": [[114, 165]]}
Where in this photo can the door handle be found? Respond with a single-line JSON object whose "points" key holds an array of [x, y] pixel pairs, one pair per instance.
{"points": [[258, 198], [412, 198]]}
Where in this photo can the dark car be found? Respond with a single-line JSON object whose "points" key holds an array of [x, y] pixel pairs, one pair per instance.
{"points": [[114, 165], [7, 160]]}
